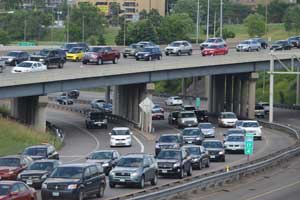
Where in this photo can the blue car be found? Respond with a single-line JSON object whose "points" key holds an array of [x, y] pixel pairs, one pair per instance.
{"points": [[149, 53]]}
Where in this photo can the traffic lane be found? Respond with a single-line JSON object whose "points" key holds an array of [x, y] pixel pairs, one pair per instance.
{"points": [[287, 116]]}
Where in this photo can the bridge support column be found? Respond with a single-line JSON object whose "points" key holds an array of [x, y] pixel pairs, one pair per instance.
{"points": [[208, 91], [236, 94], [244, 97], [218, 96], [252, 94], [107, 94], [229, 97]]}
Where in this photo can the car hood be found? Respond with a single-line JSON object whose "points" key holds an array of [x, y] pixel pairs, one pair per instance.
{"points": [[250, 128], [7, 168], [243, 45], [233, 143], [143, 52], [72, 54], [125, 169], [166, 143], [214, 149], [170, 47], [37, 157], [61, 180], [7, 57], [276, 45], [98, 161], [129, 49], [205, 130], [229, 120], [29, 172], [189, 119], [167, 160], [37, 56]]}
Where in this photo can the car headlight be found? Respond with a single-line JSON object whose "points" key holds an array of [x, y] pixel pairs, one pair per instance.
{"points": [[221, 152], [177, 164], [44, 186], [146, 54], [72, 186], [198, 138], [10, 172], [111, 173], [157, 146], [196, 159], [44, 176], [134, 174], [105, 164], [10, 59]]}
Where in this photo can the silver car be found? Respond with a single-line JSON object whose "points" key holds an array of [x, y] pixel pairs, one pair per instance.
{"points": [[207, 129], [248, 45], [234, 142], [187, 119]]}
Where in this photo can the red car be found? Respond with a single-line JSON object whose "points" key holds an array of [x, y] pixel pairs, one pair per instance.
{"points": [[101, 54], [16, 190], [214, 50], [11, 166], [157, 114]]}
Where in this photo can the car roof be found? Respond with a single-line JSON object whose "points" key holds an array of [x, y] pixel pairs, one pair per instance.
{"points": [[254, 121], [204, 123], [180, 41], [30, 61], [171, 150], [212, 140], [191, 128], [235, 129], [120, 128], [171, 134], [17, 51], [38, 146], [187, 112], [191, 145], [135, 155], [188, 106], [9, 182], [45, 161], [77, 165], [237, 134]]}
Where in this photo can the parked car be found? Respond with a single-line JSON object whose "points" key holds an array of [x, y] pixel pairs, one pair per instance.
{"points": [[214, 50], [29, 66], [294, 41], [67, 46], [101, 54], [74, 181], [202, 115], [43, 151], [232, 131], [96, 119], [11, 166], [215, 149], [187, 119], [188, 108], [73, 94], [64, 100], [157, 114], [2, 65], [174, 101], [234, 143], [212, 41], [259, 111], [97, 103], [178, 48], [172, 118], [207, 129], [252, 127], [107, 158], [199, 155], [281, 45], [168, 141], [227, 119], [136, 169], [120, 136], [131, 50], [192, 136], [50, 57], [248, 45], [266, 107], [13, 58], [263, 43], [174, 162], [149, 53], [16, 190], [38, 172], [76, 54]]}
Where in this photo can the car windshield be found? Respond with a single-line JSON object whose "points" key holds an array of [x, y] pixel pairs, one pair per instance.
{"points": [[193, 150], [10, 162], [101, 155], [67, 172], [75, 50], [212, 144], [211, 40], [240, 131], [96, 49], [97, 116], [188, 115], [68, 46], [36, 151], [229, 116], [4, 189], [265, 104], [156, 111], [134, 46], [168, 139], [169, 155], [120, 132], [212, 46], [13, 54], [177, 98], [175, 44], [189, 108], [280, 42], [47, 166], [258, 107], [44, 52], [250, 124], [205, 126], [235, 138], [130, 162], [187, 132], [245, 42], [147, 49], [25, 64]]}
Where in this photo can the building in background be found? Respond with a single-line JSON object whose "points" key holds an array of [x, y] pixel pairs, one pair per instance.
{"points": [[50, 4], [257, 2]]}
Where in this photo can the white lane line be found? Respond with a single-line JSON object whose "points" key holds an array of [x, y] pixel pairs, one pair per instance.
{"points": [[140, 143]]}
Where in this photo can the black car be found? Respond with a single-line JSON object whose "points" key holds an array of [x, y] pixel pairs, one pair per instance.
{"points": [[149, 53], [43, 151], [15, 57], [202, 115], [263, 43], [74, 181], [67, 46], [168, 141], [96, 119], [74, 94], [192, 136], [50, 57], [174, 162], [215, 148], [294, 41], [199, 155], [281, 45], [107, 158], [64, 100], [38, 172], [172, 118]]}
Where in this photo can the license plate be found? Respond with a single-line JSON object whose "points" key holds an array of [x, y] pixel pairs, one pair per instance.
{"points": [[190, 125], [140, 56], [212, 156], [164, 171], [29, 182], [122, 180], [190, 142], [55, 194], [91, 60]]}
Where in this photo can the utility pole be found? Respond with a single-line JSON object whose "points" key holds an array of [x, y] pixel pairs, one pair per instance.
{"points": [[207, 20], [124, 35], [266, 16], [25, 29], [215, 21], [82, 28], [221, 18], [68, 21], [198, 14]]}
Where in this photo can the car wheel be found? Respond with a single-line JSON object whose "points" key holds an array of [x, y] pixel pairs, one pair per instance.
{"points": [[154, 180], [189, 173], [179, 53], [190, 52], [80, 195], [115, 61], [84, 62], [249, 49], [112, 185], [100, 62], [207, 164], [124, 56], [200, 165], [181, 173], [137, 59], [100, 193], [142, 183], [223, 159], [167, 54]]}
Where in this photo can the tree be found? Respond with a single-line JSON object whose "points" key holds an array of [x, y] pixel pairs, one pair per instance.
{"points": [[10, 4], [114, 12], [255, 24], [153, 16], [226, 33], [4, 39], [291, 19], [276, 10]]}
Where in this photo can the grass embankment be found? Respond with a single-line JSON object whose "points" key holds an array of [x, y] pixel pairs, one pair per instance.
{"points": [[15, 137]]}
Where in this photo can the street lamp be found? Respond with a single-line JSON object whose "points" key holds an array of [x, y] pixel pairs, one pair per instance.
{"points": [[82, 28], [207, 22], [198, 14], [124, 35], [221, 18]]}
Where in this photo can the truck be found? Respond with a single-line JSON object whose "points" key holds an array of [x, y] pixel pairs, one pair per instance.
{"points": [[50, 57], [101, 54]]}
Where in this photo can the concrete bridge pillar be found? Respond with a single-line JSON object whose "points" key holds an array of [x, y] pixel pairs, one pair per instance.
{"points": [[229, 93], [236, 94], [244, 97], [218, 93], [252, 94]]}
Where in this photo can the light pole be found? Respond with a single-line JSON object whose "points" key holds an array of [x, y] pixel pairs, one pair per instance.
{"points": [[266, 13], [82, 28], [124, 35], [207, 20], [68, 20], [221, 18], [25, 28], [198, 14]]}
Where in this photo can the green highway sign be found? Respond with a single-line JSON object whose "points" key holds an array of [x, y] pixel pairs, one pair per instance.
{"points": [[198, 103], [249, 144]]}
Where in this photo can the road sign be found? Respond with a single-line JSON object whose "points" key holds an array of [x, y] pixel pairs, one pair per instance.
{"points": [[147, 105], [249, 144], [198, 103]]}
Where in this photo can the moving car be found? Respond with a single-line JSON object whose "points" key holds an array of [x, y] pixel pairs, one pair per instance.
{"points": [[212, 41], [263, 43], [215, 149], [168, 141], [43, 151], [50, 57], [192, 136], [76, 54], [157, 114], [281, 45], [15, 57], [16, 190], [172, 118], [73, 94], [67, 46], [74, 181], [174, 162], [11, 166], [97, 103], [120, 136], [199, 155], [149, 53], [38, 172], [188, 108], [107, 158], [202, 115], [214, 50], [266, 106], [29, 66], [178, 48], [96, 119], [134, 169], [294, 41], [207, 129], [259, 111], [174, 101], [238, 123], [101, 54], [234, 131], [187, 119], [227, 119], [248, 45], [64, 100], [234, 143], [144, 44], [252, 127], [131, 50]]}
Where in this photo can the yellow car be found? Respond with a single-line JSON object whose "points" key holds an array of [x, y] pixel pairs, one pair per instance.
{"points": [[75, 54]]}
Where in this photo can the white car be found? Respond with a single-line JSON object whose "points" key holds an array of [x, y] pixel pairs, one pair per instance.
{"points": [[212, 41], [248, 45], [29, 66], [174, 101], [252, 127], [120, 136], [97, 103], [227, 119], [266, 106], [178, 48], [234, 142]]}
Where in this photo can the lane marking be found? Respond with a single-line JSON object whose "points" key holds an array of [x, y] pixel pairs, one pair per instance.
{"points": [[140, 143]]}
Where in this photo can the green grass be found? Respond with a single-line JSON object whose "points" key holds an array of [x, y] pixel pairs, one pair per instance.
{"points": [[110, 35], [15, 137], [94, 89]]}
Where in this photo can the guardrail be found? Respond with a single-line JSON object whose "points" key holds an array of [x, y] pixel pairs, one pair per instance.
{"points": [[287, 106]]}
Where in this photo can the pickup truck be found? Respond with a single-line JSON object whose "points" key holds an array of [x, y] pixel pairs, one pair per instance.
{"points": [[101, 54], [50, 57]]}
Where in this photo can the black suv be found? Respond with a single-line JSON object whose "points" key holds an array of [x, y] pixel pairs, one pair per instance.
{"points": [[38, 172], [192, 136], [43, 151], [149, 53], [50, 57], [15, 57], [281, 45], [96, 119], [202, 115], [168, 141], [199, 155], [172, 118], [215, 148], [295, 41], [73, 94], [74, 181], [174, 162]]}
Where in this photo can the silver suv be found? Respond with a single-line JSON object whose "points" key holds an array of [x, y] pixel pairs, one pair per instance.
{"points": [[178, 48], [187, 119]]}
